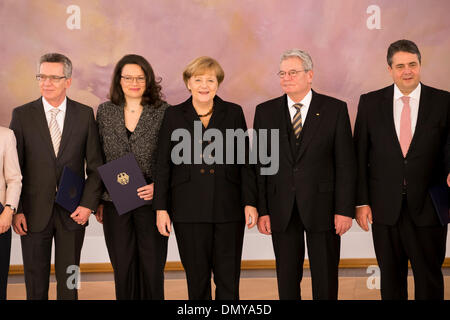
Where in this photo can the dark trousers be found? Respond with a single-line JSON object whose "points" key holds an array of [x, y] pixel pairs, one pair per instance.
{"points": [[424, 247], [323, 253], [211, 247], [5, 251], [137, 251], [36, 252]]}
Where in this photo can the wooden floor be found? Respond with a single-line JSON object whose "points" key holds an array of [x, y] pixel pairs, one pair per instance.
{"points": [[350, 288]]}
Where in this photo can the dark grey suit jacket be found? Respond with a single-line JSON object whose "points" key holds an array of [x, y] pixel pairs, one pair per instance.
{"points": [[41, 169], [320, 176], [202, 193], [382, 169]]}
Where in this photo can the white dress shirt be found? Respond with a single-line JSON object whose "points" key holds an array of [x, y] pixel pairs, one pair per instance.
{"points": [[61, 114], [306, 101], [414, 98]]}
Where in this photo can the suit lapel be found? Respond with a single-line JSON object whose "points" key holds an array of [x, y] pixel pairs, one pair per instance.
{"points": [[189, 114], [69, 122], [312, 123], [219, 113], [42, 124], [387, 110], [281, 123], [422, 116], [144, 122], [119, 124]]}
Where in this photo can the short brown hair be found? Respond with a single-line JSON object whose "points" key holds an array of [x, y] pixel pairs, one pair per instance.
{"points": [[200, 65], [404, 46], [58, 58]]}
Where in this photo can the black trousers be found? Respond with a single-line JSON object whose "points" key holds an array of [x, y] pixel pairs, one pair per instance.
{"points": [[211, 247], [5, 252], [36, 253], [323, 253], [137, 251], [424, 247]]}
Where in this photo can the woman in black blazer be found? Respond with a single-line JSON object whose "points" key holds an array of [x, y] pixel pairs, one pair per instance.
{"points": [[130, 122], [209, 204]]}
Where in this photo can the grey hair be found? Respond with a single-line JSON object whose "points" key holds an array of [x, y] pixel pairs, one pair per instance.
{"points": [[59, 58], [303, 55]]}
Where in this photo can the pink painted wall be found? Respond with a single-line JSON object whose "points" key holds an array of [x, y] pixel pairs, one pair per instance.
{"points": [[245, 36]]}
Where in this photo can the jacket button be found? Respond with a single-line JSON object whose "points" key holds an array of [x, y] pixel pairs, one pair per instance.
{"points": [[405, 162], [202, 170], [211, 171]]}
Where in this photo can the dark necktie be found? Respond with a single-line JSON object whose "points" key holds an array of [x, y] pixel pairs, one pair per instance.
{"points": [[297, 120]]}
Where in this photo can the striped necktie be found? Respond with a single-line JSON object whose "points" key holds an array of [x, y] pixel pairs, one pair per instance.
{"points": [[297, 120], [55, 132]]}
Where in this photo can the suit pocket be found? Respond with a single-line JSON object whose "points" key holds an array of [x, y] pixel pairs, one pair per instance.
{"points": [[179, 177], [326, 187]]}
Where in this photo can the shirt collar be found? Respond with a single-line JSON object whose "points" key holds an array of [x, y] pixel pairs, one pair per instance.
{"points": [[306, 101], [415, 94], [47, 106]]}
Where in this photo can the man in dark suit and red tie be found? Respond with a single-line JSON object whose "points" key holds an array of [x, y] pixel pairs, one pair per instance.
{"points": [[402, 143], [53, 132], [313, 190]]}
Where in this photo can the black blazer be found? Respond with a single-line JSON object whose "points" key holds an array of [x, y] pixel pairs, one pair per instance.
{"points": [[381, 165], [200, 192], [320, 175], [41, 169]]}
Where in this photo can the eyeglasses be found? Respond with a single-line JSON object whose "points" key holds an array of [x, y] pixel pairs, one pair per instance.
{"points": [[53, 79], [130, 79], [291, 73]]}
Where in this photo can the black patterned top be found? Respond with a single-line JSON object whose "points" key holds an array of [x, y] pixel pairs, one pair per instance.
{"points": [[142, 141]]}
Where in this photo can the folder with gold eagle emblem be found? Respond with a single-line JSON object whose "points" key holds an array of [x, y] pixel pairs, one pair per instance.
{"points": [[122, 177]]}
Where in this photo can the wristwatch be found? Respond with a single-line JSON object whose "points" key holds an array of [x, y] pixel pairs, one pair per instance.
{"points": [[14, 209]]}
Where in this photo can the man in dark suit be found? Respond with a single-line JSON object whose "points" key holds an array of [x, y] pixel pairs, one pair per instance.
{"points": [[313, 190], [53, 132], [402, 143]]}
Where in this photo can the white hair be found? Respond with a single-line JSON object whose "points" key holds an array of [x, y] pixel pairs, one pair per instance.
{"points": [[304, 56]]}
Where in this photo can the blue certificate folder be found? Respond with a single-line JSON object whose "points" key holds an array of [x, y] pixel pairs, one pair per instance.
{"points": [[122, 177], [439, 195], [1, 208], [70, 190]]}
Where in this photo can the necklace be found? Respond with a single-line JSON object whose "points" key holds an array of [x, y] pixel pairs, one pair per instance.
{"points": [[206, 114], [131, 110]]}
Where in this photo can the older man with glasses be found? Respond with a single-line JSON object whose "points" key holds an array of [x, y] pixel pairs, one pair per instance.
{"points": [[313, 191], [54, 132]]}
